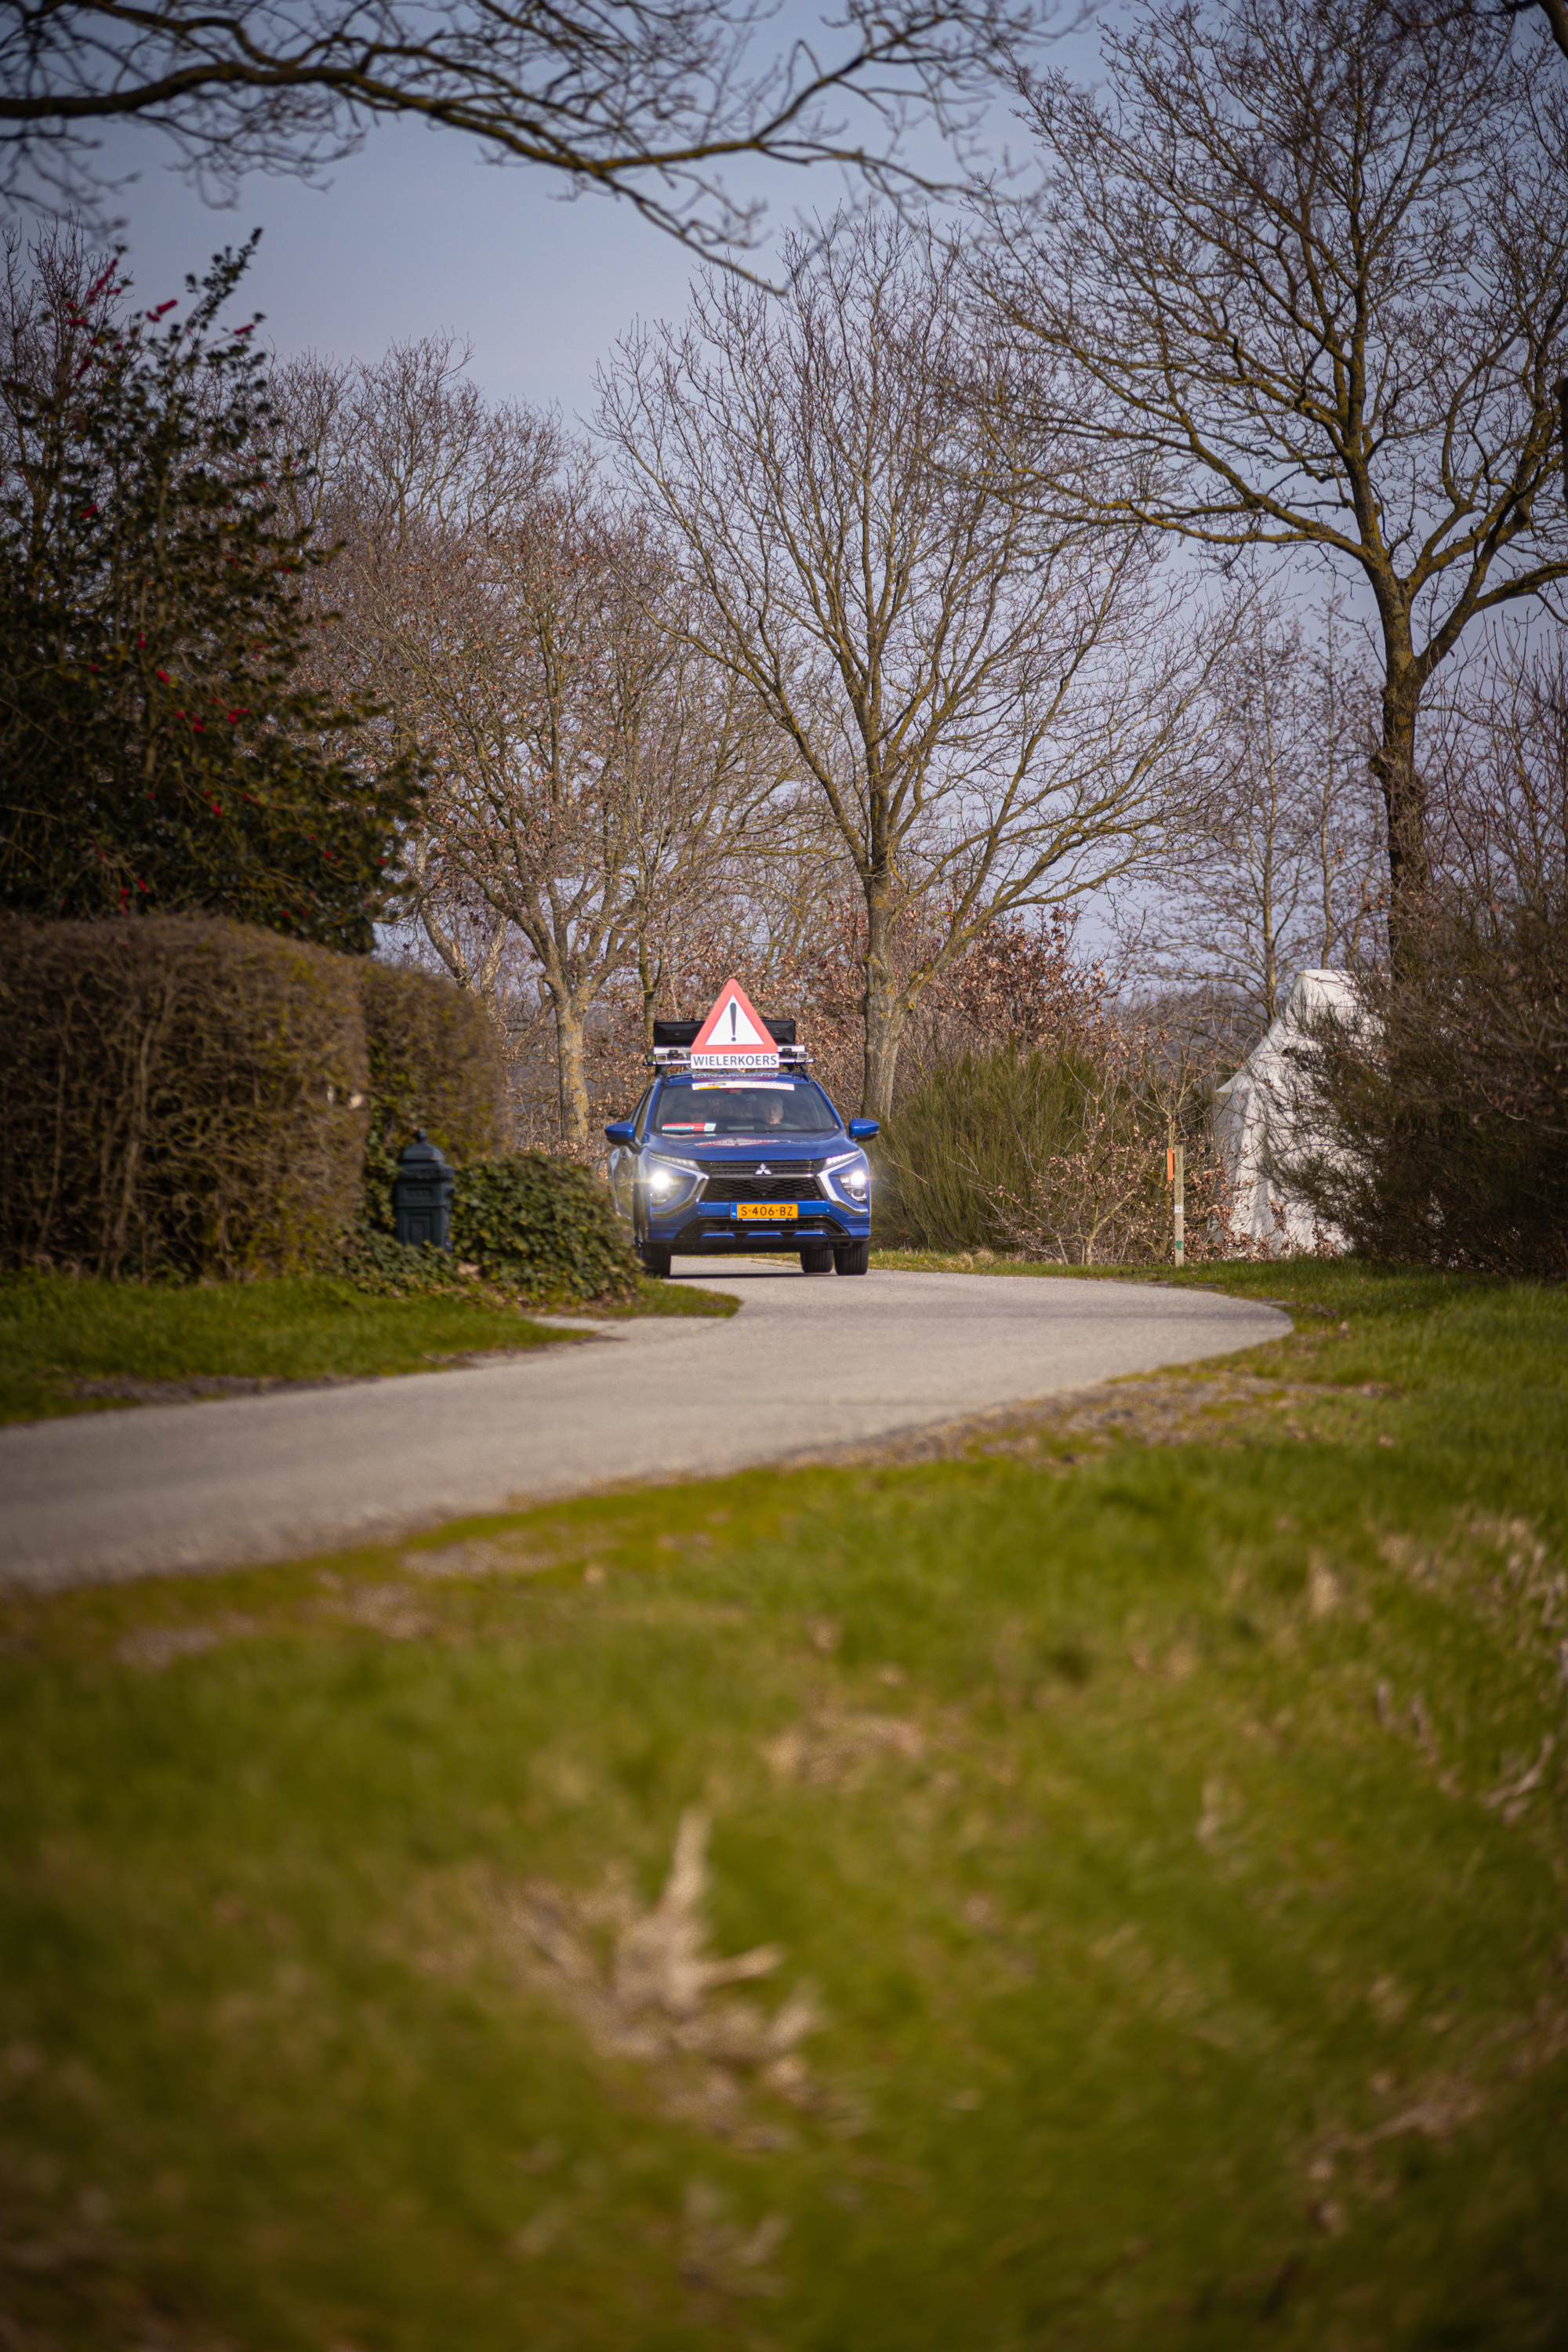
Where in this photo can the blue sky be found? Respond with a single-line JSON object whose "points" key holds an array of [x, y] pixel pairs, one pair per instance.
{"points": [[415, 234], [412, 235]]}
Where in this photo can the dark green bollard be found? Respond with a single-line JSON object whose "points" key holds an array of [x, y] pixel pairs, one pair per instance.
{"points": [[422, 1193]]}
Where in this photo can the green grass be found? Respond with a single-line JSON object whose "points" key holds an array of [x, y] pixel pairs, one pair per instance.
{"points": [[59, 1337], [1169, 1840], [1264, 1277], [660, 1297]]}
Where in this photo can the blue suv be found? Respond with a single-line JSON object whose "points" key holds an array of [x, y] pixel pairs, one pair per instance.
{"points": [[729, 1164]]}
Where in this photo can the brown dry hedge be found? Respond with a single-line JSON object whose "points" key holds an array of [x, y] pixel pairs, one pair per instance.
{"points": [[180, 1094], [435, 1063], [186, 1096]]}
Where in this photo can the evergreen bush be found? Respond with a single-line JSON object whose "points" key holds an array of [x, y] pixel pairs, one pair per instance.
{"points": [[162, 747], [187, 1097], [543, 1226]]}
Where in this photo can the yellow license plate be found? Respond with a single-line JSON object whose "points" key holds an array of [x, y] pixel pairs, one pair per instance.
{"points": [[770, 1216]]}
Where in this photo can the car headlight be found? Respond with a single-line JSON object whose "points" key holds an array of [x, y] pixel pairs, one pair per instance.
{"points": [[669, 1179], [852, 1177]]}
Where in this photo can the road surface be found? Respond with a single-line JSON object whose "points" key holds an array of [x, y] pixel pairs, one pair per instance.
{"points": [[808, 1363]]}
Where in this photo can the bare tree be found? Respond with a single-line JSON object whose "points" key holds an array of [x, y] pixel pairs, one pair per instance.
{"points": [[1280, 874], [616, 764], [410, 441], [400, 454], [1449, 1100], [1501, 785], [972, 687], [589, 764], [1555, 13], [1303, 276], [57, 294], [647, 100]]}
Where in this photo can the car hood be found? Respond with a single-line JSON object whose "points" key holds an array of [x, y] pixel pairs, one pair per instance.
{"points": [[783, 1150]]}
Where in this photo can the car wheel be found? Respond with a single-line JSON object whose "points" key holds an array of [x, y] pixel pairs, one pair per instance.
{"points": [[655, 1257], [818, 1260], [854, 1257]]}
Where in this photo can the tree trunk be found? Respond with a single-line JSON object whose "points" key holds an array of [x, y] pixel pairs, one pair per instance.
{"points": [[1270, 951], [884, 1011], [569, 1060], [1404, 805], [649, 979]]}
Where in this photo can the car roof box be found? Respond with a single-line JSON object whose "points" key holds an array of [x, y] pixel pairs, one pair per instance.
{"points": [[684, 1033]]}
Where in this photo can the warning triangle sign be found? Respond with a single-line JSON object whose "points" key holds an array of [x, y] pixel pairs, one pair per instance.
{"points": [[734, 1034]]}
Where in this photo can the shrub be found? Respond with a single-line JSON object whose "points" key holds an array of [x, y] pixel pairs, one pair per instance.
{"points": [[1057, 1154], [384, 1267], [1450, 1101], [435, 1064], [960, 1146], [180, 1095], [543, 1226], [1451, 1096]]}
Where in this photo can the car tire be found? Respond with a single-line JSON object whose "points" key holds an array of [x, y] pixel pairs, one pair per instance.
{"points": [[655, 1257], [818, 1260], [854, 1257]]}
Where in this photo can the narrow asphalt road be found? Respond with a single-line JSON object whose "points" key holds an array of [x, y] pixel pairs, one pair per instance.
{"points": [[807, 1362]]}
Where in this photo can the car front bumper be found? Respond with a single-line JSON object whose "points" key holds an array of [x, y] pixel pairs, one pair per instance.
{"points": [[716, 1229]]}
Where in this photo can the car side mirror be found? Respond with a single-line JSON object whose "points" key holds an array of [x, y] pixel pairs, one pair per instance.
{"points": [[621, 1130], [861, 1130]]}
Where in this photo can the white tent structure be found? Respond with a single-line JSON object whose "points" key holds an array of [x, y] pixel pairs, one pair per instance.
{"points": [[1268, 1113]]}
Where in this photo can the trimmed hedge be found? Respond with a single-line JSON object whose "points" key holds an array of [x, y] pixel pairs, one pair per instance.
{"points": [[186, 1096], [545, 1227], [435, 1064], [180, 1095]]}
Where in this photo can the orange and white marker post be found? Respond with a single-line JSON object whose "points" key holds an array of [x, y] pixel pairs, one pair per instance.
{"points": [[1176, 1176]]}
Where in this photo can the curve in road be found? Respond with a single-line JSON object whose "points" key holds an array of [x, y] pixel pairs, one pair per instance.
{"points": [[806, 1364]]}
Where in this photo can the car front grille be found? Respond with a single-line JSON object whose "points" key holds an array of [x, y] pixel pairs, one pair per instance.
{"points": [[796, 1183]]}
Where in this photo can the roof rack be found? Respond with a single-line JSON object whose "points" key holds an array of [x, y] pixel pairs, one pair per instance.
{"points": [[686, 1032], [671, 1059]]}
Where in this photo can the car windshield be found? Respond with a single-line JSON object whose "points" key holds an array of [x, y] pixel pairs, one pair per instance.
{"points": [[721, 1107]]}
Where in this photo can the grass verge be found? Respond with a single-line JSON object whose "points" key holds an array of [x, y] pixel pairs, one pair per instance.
{"points": [[1072, 1890], [70, 1346], [1219, 1274]]}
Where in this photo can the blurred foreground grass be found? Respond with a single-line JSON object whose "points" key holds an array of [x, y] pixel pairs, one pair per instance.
{"points": [[1143, 1866], [70, 1346]]}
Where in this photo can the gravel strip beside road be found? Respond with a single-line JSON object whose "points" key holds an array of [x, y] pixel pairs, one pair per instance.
{"points": [[808, 1363]]}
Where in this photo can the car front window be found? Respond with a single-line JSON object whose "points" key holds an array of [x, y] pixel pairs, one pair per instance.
{"points": [[712, 1109]]}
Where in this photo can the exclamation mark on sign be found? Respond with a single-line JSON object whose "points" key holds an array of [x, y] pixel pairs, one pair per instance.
{"points": [[733, 1009]]}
